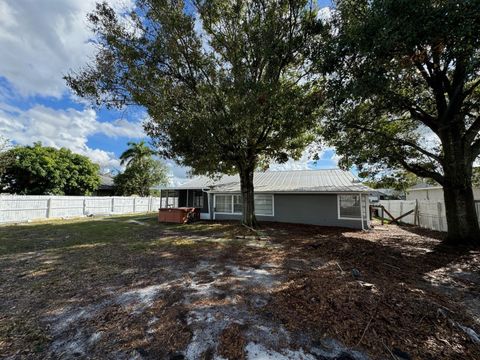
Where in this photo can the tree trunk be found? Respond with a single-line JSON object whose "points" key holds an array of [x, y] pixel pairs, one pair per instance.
{"points": [[461, 214], [460, 210], [246, 187]]}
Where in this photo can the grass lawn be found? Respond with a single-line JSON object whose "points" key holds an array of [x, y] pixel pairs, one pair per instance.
{"points": [[130, 288]]}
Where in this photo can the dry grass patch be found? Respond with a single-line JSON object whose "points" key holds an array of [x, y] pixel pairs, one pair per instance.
{"points": [[132, 288]]}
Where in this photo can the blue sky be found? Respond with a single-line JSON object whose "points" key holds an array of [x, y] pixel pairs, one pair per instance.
{"points": [[40, 42]]}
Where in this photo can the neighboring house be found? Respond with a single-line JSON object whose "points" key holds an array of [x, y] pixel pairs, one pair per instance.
{"points": [[319, 197], [429, 192], [106, 187], [386, 194]]}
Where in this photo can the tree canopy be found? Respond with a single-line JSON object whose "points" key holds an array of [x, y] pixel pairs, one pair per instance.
{"points": [[397, 180], [225, 85], [142, 171], [41, 170], [5, 156], [403, 93]]}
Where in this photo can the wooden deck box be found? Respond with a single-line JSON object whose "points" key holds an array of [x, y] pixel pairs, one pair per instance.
{"points": [[182, 215]]}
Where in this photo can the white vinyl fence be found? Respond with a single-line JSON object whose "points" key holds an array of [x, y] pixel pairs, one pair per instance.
{"points": [[21, 208], [430, 214]]}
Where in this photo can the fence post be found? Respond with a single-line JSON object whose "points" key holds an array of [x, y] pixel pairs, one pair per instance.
{"points": [[113, 204], [49, 207], [84, 206], [477, 209], [134, 204], [416, 220], [440, 218]]}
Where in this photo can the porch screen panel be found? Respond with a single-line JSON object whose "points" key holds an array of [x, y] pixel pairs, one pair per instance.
{"points": [[172, 198], [198, 199]]}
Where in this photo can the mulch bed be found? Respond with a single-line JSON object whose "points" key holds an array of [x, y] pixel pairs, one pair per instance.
{"points": [[371, 294], [232, 343]]}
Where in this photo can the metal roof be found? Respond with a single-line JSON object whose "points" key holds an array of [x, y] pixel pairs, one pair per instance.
{"points": [[388, 192], [331, 180], [424, 186]]}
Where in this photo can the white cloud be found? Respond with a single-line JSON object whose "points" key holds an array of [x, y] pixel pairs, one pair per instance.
{"points": [[304, 163], [43, 40], [68, 128], [120, 128], [177, 174], [107, 160]]}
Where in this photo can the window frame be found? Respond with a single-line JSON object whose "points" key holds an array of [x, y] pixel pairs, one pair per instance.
{"points": [[340, 217], [215, 204], [232, 205], [273, 206]]}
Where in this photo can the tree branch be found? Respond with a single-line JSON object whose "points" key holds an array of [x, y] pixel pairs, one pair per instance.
{"points": [[475, 149], [472, 131], [426, 76], [472, 87], [421, 171], [424, 117], [402, 142], [416, 112]]}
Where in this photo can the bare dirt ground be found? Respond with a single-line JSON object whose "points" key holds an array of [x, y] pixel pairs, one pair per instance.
{"points": [[129, 288]]}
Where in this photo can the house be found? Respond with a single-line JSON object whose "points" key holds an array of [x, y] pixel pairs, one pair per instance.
{"points": [[319, 197], [106, 187], [424, 191], [386, 194]]}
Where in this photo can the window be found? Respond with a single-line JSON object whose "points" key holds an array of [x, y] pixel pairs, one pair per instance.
{"points": [[198, 199], [237, 204], [264, 204], [232, 204], [223, 203], [349, 207]]}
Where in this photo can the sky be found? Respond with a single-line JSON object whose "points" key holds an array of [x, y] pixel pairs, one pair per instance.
{"points": [[40, 42]]}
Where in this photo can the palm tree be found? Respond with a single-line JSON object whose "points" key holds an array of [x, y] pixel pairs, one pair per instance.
{"points": [[136, 152], [142, 170]]}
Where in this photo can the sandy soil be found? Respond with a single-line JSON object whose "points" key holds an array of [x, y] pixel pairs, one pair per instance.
{"points": [[129, 288]]}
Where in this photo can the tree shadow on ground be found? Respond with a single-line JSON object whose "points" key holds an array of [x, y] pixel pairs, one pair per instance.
{"points": [[376, 291], [91, 276], [151, 291]]}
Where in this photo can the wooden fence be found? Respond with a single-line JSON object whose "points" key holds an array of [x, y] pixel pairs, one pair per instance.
{"points": [[21, 208], [427, 214]]}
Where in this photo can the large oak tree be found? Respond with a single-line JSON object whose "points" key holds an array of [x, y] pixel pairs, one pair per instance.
{"points": [[403, 80], [223, 81]]}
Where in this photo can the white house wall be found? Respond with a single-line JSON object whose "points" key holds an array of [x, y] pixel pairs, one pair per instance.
{"points": [[434, 194]]}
